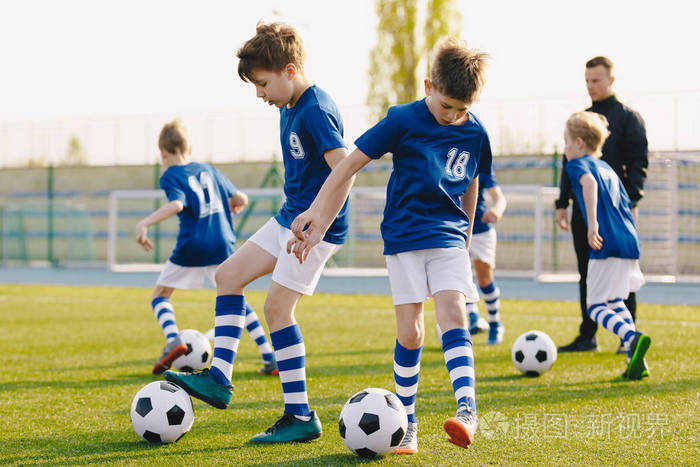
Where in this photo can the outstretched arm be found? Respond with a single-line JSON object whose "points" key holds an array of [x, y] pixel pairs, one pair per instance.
{"points": [[590, 199], [495, 212], [469, 205], [310, 226], [164, 212]]}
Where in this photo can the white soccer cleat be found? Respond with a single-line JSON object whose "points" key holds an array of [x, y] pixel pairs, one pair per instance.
{"points": [[462, 426], [409, 445]]}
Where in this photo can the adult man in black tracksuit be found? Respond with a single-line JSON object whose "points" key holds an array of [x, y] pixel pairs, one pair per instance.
{"points": [[626, 152]]}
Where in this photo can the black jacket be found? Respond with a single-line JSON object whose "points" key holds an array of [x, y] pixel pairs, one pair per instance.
{"points": [[625, 150]]}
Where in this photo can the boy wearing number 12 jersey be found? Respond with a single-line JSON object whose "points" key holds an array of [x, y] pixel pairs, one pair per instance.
{"points": [[204, 199]]}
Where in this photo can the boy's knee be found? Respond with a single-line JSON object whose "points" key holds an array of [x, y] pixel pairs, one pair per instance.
{"points": [[412, 339]]}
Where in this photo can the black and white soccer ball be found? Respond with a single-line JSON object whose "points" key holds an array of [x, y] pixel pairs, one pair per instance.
{"points": [[161, 412], [198, 351], [373, 422], [534, 353]]}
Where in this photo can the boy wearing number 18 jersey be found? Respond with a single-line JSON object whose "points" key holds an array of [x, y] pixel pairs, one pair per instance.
{"points": [[204, 199], [439, 150]]}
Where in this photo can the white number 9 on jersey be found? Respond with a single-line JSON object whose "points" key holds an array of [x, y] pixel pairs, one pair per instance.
{"points": [[295, 146]]}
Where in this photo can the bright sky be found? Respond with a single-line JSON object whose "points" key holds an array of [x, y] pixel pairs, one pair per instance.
{"points": [[171, 58], [89, 57]]}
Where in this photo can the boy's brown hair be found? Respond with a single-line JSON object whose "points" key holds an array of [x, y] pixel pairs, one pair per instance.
{"points": [[272, 48], [591, 127], [173, 137], [600, 60], [458, 72]]}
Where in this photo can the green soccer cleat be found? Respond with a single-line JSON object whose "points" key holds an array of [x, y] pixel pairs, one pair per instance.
{"points": [[202, 386], [636, 368], [289, 429]]}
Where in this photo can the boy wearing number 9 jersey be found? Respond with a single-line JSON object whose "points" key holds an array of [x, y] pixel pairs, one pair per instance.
{"points": [[311, 136], [204, 199]]}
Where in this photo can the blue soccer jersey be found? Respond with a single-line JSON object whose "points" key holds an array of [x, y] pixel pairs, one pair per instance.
{"points": [[485, 182], [614, 210], [206, 233], [433, 166], [307, 130]]}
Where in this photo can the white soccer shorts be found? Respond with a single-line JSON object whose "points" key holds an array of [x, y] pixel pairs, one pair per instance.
{"points": [[186, 277], [612, 278], [483, 247], [302, 278], [417, 275]]}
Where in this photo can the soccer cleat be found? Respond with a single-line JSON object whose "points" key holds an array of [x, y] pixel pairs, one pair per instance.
{"points": [[462, 426], [202, 386], [173, 349], [496, 331], [269, 368], [289, 429], [409, 444], [580, 344], [477, 324], [638, 348]]}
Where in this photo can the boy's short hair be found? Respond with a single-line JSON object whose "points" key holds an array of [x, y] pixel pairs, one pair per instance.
{"points": [[603, 61], [457, 71], [591, 127], [173, 137], [272, 48]]}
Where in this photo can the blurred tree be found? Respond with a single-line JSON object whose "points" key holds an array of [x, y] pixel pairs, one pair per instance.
{"points": [[394, 60], [443, 19], [75, 155]]}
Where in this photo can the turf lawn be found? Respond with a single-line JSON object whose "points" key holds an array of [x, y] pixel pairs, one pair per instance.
{"points": [[75, 356]]}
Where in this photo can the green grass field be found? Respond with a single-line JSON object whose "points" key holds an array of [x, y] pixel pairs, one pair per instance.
{"points": [[74, 357]]}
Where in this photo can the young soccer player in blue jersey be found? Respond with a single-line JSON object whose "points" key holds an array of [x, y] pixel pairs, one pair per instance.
{"points": [[613, 267], [203, 198], [439, 149], [311, 133]]}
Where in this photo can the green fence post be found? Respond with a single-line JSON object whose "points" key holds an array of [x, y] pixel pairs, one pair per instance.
{"points": [[50, 195], [272, 178], [156, 240], [555, 181]]}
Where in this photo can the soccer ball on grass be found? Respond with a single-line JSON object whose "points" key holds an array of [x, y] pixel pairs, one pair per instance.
{"points": [[198, 351], [534, 353], [373, 422], [161, 412]]}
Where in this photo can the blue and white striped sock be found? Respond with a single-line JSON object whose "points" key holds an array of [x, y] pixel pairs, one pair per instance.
{"points": [[604, 316], [257, 332], [406, 372], [291, 362], [618, 306], [164, 313], [492, 298], [228, 327], [459, 358]]}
